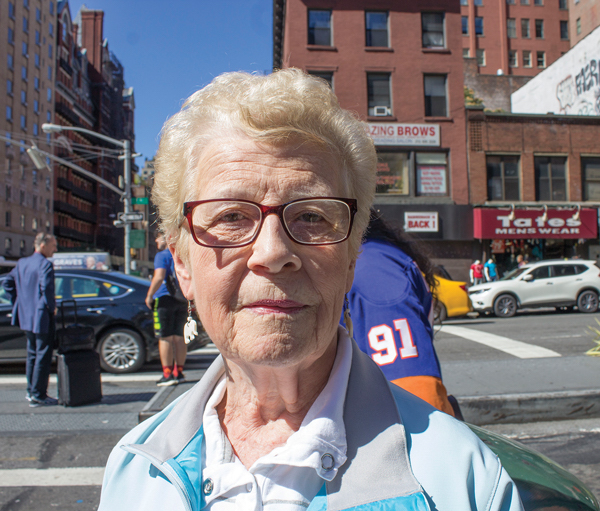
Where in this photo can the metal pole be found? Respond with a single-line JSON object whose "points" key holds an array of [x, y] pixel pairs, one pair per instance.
{"points": [[127, 207]]}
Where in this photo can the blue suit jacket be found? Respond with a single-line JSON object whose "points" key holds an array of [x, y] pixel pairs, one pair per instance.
{"points": [[31, 287]]}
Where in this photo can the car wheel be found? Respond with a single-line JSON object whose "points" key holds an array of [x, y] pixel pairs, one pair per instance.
{"points": [[505, 306], [121, 351], [439, 312], [588, 301]]}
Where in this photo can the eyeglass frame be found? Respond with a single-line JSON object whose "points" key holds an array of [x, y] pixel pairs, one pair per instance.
{"points": [[188, 210]]}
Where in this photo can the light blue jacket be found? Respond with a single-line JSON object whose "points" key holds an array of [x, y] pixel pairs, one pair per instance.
{"points": [[403, 454]]}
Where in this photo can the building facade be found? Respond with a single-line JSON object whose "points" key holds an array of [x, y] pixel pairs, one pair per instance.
{"points": [[515, 37], [27, 70], [399, 66], [584, 17]]}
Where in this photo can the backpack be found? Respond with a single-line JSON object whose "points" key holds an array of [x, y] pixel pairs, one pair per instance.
{"points": [[173, 285]]}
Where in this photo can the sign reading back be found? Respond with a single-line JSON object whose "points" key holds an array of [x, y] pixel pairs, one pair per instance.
{"points": [[421, 221], [560, 224], [405, 134]]}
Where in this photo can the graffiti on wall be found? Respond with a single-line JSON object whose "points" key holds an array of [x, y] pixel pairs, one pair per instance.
{"points": [[581, 95]]}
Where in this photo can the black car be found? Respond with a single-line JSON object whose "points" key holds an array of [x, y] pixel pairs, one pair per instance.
{"points": [[111, 302]]}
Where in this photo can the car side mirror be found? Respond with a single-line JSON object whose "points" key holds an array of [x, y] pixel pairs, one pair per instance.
{"points": [[528, 277]]}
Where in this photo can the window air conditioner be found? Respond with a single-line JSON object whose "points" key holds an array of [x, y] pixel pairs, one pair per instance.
{"points": [[381, 111]]}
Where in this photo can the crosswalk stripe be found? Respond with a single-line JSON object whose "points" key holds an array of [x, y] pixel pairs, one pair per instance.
{"points": [[518, 349], [72, 476]]}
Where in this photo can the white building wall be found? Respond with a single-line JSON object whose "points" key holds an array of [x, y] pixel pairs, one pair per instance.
{"points": [[570, 86]]}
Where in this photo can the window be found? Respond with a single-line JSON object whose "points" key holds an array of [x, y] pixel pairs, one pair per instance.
{"points": [[513, 60], [538, 2], [23, 97], [590, 171], [38, 39], [319, 27], [376, 28], [562, 5], [36, 106], [36, 129], [578, 26], [511, 28], [26, 4], [9, 61], [526, 58], [478, 2], [11, 10], [48, 116], [49, 72], [432, 24], [564, 270], [503, 182], [24, 73], [22, 198], [50, 51], [542, 272], [22, 247], [38, 15], [23, 122], [22, 222], [36, 83], [11, 36], [480, 55], [9, 87], [48, 185], [564, 30], [34, 224], [392, 173], [466, 53], [510, 2], [539, 29], [8, 193], [37, 60], [432, 174], [24, 49], [47, 206], [49, 94], [525, 28], [478, 25], [550, 178], [325, 75], [435, 96], [8, 113], [378, 94], [50, 29], [7, 245], [7, 219], [51, 7], [465, 25], [25, 25], [524, 2], [541, 59], [464, 2]]}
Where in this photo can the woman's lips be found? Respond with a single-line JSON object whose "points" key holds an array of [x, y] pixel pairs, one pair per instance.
{"points": [[275, 306]]}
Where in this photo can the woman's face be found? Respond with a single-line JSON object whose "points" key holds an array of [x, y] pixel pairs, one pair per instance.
{"points": [[273, 302]]}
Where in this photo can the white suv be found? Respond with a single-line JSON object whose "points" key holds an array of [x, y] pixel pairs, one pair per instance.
{"points": [[559, 283]]}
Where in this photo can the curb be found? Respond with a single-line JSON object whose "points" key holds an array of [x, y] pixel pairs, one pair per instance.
{"points": [[533, 407]]}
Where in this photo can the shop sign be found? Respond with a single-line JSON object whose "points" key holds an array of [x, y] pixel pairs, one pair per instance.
{"points": [[431, 179], [81, 261], [530, 224], [421, 221], [405, 134]]}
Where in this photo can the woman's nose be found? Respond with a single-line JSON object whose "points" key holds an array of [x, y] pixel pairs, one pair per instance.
{"points": [[273, 250]]}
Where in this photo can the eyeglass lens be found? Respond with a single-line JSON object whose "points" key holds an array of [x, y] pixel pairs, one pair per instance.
{"points": [[231, 223]]}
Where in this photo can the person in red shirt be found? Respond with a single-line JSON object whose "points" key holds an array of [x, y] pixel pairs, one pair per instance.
{"points": [[476, 272]]}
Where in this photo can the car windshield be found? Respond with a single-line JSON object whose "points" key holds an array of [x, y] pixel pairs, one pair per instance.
{"points": [[515, 273]]}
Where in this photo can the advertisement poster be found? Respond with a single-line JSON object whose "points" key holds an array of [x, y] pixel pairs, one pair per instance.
{"points": [[431, 180]]}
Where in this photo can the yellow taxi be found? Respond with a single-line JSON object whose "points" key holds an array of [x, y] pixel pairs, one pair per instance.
{"points": [[450, 297]]}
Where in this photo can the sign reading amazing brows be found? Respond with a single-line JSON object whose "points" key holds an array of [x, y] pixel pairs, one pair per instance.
{"points": [[405, 134], [557, 224]]}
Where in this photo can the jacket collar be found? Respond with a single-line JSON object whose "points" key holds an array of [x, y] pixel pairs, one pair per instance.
{"points": [[376, 439]]}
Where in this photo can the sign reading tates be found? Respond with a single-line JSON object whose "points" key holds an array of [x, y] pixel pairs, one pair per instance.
{"points": [[557, 223], [405, 134], [421, 221]]}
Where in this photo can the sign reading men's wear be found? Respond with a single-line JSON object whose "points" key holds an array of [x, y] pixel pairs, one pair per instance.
{"points": [[421, 221], [405, 134], [492, 223]]}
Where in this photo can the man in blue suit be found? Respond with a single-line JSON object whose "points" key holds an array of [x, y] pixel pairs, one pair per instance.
{"points": [[31, 288]]}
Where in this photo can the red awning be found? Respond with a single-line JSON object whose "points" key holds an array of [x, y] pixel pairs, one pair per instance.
{"points": [[495, 223]]}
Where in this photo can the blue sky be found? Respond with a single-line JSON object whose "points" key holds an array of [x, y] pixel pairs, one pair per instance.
{"points": [[171, 49]]}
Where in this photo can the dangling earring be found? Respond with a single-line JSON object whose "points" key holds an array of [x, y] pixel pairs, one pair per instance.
{"points": [[190, 330], [347, 318]]}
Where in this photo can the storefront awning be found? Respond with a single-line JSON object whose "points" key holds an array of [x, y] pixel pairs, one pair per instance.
{"points": [[553, 223]]}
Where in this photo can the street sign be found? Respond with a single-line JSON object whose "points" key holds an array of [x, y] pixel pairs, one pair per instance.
{"points": [[118, 223], [136, 216], [139, 200]]}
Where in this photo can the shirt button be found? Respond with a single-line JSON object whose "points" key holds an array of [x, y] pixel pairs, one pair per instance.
{"points": [[207, 486], [327, 461], [249, 487]]}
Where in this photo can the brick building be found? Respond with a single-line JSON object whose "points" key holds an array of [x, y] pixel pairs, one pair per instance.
{"points": [[399, 65], [514, 37], [535, 185], [584, 17], [90, 94], [27, 69]]}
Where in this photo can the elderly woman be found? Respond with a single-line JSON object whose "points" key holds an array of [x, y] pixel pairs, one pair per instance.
{"points": [[263, 185]]}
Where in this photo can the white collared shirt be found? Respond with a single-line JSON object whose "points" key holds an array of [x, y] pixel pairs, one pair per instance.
{"points": [[291, 475]]}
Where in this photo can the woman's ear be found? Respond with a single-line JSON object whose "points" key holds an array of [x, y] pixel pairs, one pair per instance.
{"points": [[184, 276]]}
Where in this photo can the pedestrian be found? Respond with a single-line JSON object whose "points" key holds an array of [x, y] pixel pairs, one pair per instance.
{"points": [[490, 271], [476, 273], [521, 261], [169, 317], [403, 313], [31, 287]]}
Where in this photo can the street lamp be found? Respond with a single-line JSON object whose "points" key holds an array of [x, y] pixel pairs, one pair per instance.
{"points": [[126, 157]]}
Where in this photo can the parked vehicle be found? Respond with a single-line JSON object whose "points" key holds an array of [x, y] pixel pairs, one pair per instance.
{"points": [[451, 298], [557, 283], [111, 302]]}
